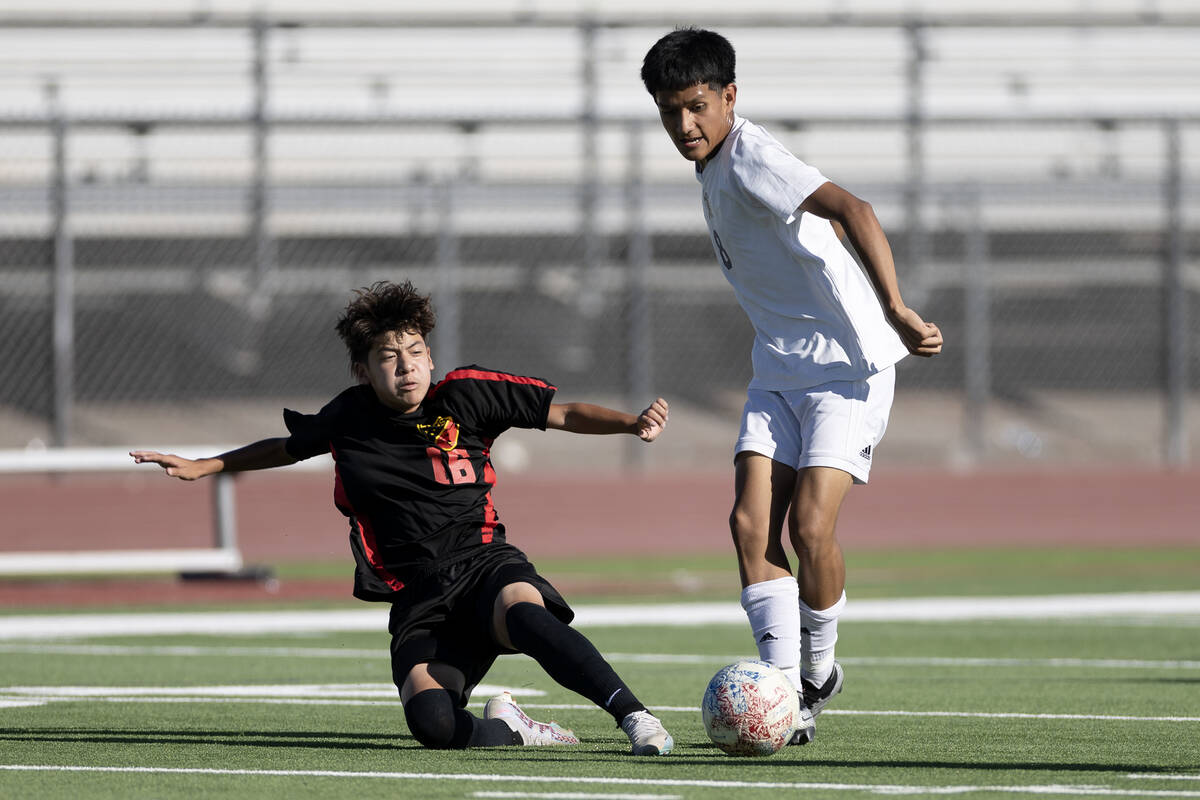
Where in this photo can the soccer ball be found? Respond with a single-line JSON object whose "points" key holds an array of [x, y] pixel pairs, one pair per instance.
{"points": [[750, 708]]}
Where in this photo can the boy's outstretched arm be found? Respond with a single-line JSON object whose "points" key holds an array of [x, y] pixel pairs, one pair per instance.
{"points": [[263, 454], [588, 418], [856, 217]]}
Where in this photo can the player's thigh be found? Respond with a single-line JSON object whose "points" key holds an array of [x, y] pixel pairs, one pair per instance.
{"points": [[762, 490], [510, 580], [432, 675], [816, 504], [508, 597], [768, 446]]}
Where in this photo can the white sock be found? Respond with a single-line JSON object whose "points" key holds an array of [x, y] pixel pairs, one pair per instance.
{"points": [[771, 607], [818, 634]]}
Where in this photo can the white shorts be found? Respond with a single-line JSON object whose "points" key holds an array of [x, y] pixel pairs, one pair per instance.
{"points": [[836, 424]]}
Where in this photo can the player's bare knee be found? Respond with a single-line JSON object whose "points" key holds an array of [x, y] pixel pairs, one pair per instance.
{"points": [[431, 675], [813, 529], [744, 527]]}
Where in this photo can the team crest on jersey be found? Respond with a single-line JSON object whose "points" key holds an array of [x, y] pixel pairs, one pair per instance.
{"points": [[442, 432]]}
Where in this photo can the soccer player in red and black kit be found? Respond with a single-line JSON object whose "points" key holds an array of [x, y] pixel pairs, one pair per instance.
{"points": [[414, 477]]}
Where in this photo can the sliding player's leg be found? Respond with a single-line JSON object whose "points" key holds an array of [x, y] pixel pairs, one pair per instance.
{"points": [[521, 622]]}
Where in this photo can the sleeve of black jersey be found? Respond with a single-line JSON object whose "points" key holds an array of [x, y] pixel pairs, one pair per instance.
{"points": [[311, 434], [308, 437], [495, 401]]}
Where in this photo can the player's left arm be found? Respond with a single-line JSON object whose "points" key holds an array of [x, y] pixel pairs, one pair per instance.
{"points": [[589, 418], [857, 219]]}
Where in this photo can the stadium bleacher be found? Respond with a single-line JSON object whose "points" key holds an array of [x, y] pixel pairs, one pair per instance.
{"points": [[1042, 121]]}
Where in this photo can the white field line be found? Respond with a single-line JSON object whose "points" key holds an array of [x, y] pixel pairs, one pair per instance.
{"points": [[574, 796], [1153, 777], [1087, 790], [195, 651], [1136, 605]]}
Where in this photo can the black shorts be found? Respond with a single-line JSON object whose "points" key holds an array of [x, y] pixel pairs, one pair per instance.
{"points": [[446, 616]]}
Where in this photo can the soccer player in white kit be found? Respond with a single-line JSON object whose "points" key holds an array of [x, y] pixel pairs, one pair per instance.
{"points": [[826, 341]]}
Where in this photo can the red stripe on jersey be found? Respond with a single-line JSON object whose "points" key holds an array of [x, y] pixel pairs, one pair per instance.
{"points": [[366, 533], [339, 492], [490, 518], [484, 375]]}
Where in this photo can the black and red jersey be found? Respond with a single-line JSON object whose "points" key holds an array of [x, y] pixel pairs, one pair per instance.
{"points": [[417, 487]]}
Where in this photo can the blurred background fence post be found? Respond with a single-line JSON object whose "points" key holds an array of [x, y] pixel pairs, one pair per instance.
{"points": [[1176, 290], [255, 304], [977, 314], [639, 262], [915, 264], [448, 281], [63, 319]]}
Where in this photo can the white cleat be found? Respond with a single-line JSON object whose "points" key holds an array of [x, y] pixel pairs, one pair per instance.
{"points": [[532, 733], [806, 728], [647, 736]]}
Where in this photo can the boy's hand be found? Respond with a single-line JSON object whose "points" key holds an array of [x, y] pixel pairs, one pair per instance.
{"points": [[920, 337], [176, 466], [650, 423]]}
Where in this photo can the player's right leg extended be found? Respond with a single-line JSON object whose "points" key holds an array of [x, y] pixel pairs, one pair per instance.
{"points": [[521, 622]]}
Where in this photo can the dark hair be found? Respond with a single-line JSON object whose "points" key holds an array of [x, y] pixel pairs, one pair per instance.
{"points": [[686, 57], [384, 307]]}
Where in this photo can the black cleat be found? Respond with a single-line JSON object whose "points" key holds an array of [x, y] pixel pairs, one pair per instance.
{"points": [[817, 698]]}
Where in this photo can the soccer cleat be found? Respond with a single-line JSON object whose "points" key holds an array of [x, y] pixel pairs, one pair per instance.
{"points": [[647, 736], [816, 698], [806, 730], [503, 708]]}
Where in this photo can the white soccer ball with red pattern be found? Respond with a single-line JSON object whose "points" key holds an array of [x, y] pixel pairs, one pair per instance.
{"points": [[750, 708]]}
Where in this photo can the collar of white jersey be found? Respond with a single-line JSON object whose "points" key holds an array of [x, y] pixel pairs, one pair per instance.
{"points": [[737, 123]]}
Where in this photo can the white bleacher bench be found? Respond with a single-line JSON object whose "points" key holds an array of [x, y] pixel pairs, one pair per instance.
{"points": [[223, 559]]}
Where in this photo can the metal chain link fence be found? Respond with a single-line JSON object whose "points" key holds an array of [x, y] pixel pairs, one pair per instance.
{"points": [[208, 252]]}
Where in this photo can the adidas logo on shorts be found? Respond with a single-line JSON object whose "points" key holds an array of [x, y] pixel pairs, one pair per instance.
{"points": [[865, 453]]}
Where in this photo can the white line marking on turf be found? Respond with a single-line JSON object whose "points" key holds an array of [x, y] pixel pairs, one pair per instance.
{"points": [[576, 796], [193, 651], [321, 690], [1165, 777], [352, 694], [65, 626], [900, 713], [874, 788], [1007, 715], [914, 661], [1090, 663]]}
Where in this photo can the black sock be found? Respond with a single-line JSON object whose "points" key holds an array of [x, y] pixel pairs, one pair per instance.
{"points": [[569, 658], [436, 722]]}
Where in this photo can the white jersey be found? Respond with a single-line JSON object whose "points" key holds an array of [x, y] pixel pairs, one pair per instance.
{"points": [[815, 314]]}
